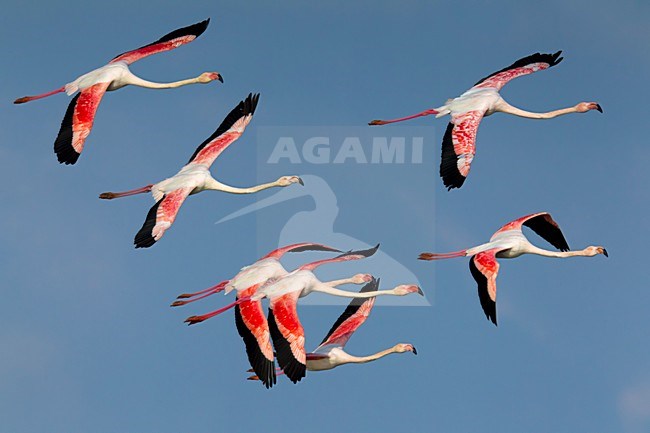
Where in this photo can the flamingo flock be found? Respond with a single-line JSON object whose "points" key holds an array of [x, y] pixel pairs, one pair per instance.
{"points": [[278, 335]]}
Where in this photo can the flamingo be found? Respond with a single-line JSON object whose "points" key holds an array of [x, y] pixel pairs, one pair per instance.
{"points": [[507, 243], [80, 115], [195, 176], [330, 353], [266, 269], [283, 322], [251, 323], [467, 111]]}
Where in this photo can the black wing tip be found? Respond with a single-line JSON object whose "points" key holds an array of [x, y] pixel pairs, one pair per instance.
{"points": [[65, 153], [144, 238], [313, 247], [249, 104], [365, 253], [451, 176], [292, 368], [243, 108], [195, 30], [262, 366], [488, 305], [551, 59], [371, 286]]}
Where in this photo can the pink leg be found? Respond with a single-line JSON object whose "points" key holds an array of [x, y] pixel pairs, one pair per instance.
{"points": [[200, 295], [112, 195], [421, 114], [198, 319], [435, 256], [44, 95]]}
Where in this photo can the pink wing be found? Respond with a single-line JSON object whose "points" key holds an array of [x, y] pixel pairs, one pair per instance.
{"points": [[231, 129], [77, 123], [160, 217], [459, 147], [168, 42], [288, 336], [527, 65], [354, 315], [254, 330], [484, 268], [544, 225]]}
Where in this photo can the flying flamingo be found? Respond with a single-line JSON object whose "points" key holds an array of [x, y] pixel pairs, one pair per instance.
{"points": [[330, 354], [195, 176], [251, 322], [266, 269], [507, 243], [283, 323], [80, 115], [467, 111]]}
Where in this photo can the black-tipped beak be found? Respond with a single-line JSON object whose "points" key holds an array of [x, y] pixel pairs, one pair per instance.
{"points": [[415, 351], [605, 252], [599, 108], [420, 291], [301, 182]]}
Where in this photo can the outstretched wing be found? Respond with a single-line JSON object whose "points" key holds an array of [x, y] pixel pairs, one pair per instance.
{"points": [[160, 217], [166, 43], [543, 224], [77, 123], [288, 336], [299, 248], [354, 315], [459, 147], [527, 65], [484, 268], [254, 330], [347, 256], [231, 129]]}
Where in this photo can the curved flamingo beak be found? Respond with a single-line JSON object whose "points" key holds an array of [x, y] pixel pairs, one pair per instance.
{"points": [[301, 182], [605, 252], [599, 108], [219, 77], [415, 351]]}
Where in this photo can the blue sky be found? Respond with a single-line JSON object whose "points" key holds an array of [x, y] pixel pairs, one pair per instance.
{"points": [[89, 342]]}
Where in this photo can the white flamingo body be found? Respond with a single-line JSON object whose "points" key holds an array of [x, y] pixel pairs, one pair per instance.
{"points": [[261, 272], [486, 100]]}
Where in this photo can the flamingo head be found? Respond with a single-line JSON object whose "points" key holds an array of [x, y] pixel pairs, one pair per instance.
{"points": [[594, 251], [288, 180], [406, 289], [361, 278], [583, 107], [207, 77], [405, 347]]}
